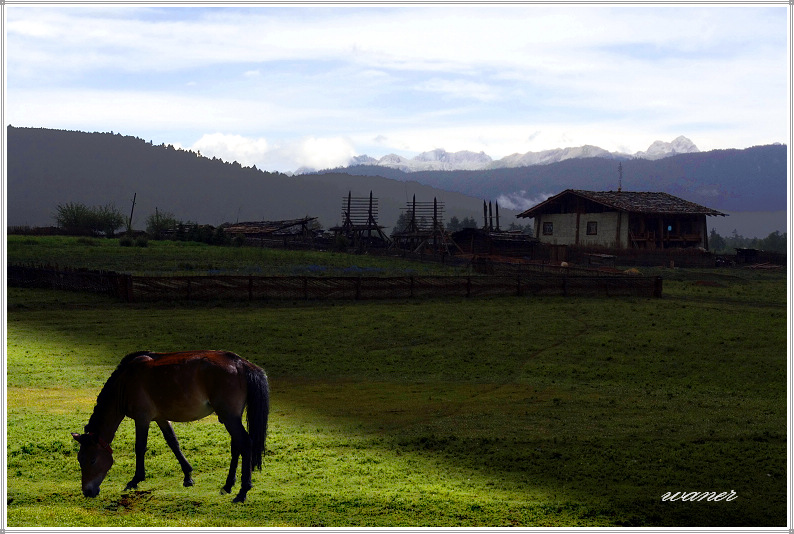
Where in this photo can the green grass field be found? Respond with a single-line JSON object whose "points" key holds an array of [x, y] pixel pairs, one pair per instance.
{"points": [[466, 412], [187, 258]]}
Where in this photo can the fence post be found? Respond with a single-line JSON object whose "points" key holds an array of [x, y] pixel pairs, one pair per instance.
{"points": [[657, 287], [124, 287], [250, 287], [468, 286]]}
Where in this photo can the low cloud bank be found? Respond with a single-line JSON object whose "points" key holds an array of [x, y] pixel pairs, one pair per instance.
{"points": [[308, 152], [520, 200]]}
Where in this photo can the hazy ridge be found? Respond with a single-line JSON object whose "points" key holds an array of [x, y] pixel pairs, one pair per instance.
{"points": [[50, 167]]}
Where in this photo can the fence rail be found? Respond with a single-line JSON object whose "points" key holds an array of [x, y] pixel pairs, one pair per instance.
{"points": [[230, 287]]}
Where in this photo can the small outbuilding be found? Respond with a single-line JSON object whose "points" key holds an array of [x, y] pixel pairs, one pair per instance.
{"points": [[285, 232], [482, 241], [620, 219]]}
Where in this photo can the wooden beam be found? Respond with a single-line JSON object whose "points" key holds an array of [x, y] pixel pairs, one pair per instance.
{"points": [[577, 226], [661, 232]]}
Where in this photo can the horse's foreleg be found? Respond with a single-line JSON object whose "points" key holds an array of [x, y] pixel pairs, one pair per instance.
{"points": [[170, 438], [141, 438]]}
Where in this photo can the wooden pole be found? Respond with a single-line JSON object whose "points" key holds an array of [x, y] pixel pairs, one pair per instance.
{"points": [[370, 220], [349, 220], [413, 227], [435, 224], [129, 221]]}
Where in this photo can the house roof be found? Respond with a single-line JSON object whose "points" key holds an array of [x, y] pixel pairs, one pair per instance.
{"points": [[628, 201]]}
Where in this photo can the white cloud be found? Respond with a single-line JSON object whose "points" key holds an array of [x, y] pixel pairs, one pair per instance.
{"points": [[501, 79], [32, 28], [524, 37], [519, 200], [231, 147], [313, 152], [460, 89], [319, 153]]}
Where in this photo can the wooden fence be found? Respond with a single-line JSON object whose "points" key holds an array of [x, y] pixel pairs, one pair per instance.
{"points": [[230, 287], [107, 282]]}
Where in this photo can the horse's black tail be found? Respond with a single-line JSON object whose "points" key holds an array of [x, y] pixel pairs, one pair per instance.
{"points": [[258, 402]]}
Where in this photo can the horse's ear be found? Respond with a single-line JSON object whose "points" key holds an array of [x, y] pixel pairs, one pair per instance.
{"points": [[77, 436]]}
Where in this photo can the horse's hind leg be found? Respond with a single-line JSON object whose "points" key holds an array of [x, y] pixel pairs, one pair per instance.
{"points": [[170, 438], [241, 446], [231, 478]]}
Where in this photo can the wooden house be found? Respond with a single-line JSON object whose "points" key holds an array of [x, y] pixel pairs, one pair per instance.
{"points": [[621, 220]]}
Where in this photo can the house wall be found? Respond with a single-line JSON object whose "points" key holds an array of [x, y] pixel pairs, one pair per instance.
{"points": [[702, 226], [564, 229]]}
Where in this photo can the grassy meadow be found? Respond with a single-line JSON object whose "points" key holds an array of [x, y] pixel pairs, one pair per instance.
{"points": [[494, 412], [189, 257]]}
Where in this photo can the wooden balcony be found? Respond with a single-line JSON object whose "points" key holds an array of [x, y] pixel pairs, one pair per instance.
{"points": [[650, 239]]}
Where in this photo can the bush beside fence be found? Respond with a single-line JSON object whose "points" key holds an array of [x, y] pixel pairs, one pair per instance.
{"points": [[230, 287]]}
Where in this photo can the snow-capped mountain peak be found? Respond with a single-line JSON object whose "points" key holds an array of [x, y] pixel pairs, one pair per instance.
{"points": [[660, 149], [433, 160], [464, 157], [441, 160]]}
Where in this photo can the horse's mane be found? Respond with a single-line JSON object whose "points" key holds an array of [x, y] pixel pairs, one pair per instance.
{"points": [[109, 395]]}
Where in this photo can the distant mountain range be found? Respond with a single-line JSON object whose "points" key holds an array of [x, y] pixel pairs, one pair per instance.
{"points": [[749, 184], [441, 160], [752, 179], [50, 167]]}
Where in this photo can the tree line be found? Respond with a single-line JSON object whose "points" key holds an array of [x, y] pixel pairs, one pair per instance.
{"points": [[455, 224], [75, 218], [774, 242]]}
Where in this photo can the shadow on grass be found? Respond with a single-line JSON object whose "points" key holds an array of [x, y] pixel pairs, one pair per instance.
{"points": [[517, 440]]}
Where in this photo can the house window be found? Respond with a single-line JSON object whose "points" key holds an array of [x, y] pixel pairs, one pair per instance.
{"points": [[592, 227], [548, 228]]}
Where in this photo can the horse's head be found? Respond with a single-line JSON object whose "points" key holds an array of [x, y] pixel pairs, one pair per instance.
{"points": [[96, 459]]}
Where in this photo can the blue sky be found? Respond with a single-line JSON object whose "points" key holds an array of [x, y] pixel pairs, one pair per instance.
{"points": [[285, 87]]}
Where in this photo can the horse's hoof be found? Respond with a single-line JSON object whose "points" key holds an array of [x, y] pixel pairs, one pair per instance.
{"points": [[131, 486], [225, 491], [188, 482], [239, 498]]}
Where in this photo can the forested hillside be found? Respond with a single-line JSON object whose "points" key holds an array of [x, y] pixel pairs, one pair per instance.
{"points": [[51, 167]]}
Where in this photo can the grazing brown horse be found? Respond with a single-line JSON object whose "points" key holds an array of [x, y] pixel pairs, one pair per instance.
{"points": [[179, 386]]}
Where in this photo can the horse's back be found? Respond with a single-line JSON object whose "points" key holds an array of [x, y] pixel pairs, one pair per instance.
{"points": [[217, 357], [185, 386]]}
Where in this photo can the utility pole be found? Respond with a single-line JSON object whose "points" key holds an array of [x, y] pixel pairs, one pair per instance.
{"points": [[620, 177], [129, 221]]}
